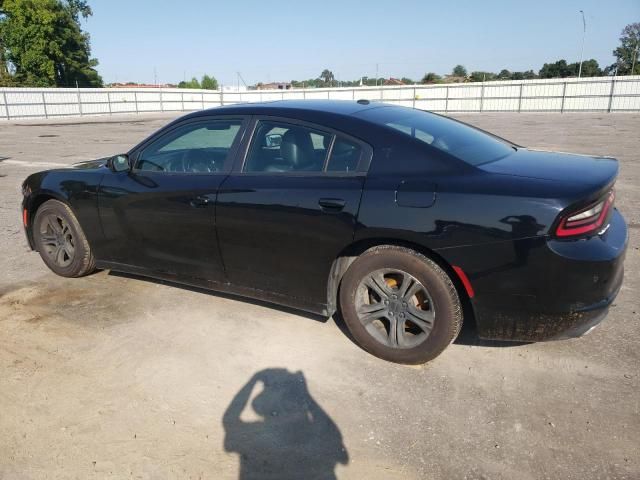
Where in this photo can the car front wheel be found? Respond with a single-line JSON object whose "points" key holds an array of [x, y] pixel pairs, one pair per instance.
{"points": [[60, 240], [400, 305]]}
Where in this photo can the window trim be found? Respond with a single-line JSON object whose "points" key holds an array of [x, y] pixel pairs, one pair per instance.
{"points": [[366, 153], [229, 161], [365, 156]]}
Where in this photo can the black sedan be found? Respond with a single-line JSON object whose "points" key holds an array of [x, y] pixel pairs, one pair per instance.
{"points": [[406, 222]]}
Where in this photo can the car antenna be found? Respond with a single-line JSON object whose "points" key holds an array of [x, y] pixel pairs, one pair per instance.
{"points": [[363, 101]]}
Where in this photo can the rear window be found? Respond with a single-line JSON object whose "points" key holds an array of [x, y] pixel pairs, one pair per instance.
{"points": [[461, 141]]}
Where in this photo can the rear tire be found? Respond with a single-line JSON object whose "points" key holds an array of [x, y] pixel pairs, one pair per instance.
{"points": [[60, 241], [400, 305]]}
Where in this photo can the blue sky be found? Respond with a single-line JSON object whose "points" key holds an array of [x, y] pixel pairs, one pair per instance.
{"points": [[283, 40]]}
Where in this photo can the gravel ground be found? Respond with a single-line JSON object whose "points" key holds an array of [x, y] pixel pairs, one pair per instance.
{"points": [[112, 376]]}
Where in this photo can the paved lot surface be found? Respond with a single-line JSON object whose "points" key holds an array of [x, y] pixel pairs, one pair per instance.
{"points": [[116, 377]]}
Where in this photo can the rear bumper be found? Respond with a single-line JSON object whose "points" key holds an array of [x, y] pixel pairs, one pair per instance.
{"points": [[545, 289], [530, 325], [588, 322]]}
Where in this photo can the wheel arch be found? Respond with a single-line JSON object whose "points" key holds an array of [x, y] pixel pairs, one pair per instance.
{"points": [[346, 257]]}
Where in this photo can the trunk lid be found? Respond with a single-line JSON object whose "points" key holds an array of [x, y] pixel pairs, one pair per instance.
{"points": [[591, 173]]}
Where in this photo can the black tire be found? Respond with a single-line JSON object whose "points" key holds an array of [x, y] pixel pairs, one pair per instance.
{"points": [[443, 305], [60, 240]]}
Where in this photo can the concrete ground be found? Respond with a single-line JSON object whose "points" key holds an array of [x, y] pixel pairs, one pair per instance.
{"points": [[115, 377]]}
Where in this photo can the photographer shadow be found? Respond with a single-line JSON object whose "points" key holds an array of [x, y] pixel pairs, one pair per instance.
{"points": [[289, 436]]}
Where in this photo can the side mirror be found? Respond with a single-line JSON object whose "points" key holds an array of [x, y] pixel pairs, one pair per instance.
{"points": [[120, 163]]}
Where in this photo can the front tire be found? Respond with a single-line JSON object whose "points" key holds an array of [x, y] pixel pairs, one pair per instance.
{"points": [[400, 305], [60, 241]]}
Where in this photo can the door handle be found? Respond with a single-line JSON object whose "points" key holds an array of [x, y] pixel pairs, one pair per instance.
{"points": [[331, 204], [199, 201]]}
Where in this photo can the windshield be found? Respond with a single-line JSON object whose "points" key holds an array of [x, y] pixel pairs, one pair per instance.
{"points": [[457, 139]]}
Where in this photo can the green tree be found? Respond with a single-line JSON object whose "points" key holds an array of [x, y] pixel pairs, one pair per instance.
{"points": [[482, 76], [5, 79], [459, 71], [209, 83], [5, 76], [431, 78], [504, 74], [590, 68], [559, 69], [79, 8], [327, 77], [407, 81], [193, 83], [43, 45], [309, 83], [627, 53]]}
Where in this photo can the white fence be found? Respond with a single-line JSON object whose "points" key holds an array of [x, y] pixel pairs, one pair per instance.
{"points": [[603, 94]]}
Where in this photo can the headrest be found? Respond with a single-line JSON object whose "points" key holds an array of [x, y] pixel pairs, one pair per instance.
{"points": [[297, 147]]}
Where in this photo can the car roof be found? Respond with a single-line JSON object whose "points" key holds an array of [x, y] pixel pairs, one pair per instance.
{"points": [[345, 116], [337, 107], [342, 115]]}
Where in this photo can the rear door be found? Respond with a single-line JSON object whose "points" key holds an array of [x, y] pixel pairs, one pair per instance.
{"points": [[290, 207], [161, 215]]}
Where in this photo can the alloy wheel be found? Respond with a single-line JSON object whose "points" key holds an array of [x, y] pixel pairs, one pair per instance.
{"points": [[395, 308], [57, 240]]}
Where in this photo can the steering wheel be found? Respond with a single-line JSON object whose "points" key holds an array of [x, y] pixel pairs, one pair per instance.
{"points": [[195, 163], [200, 165]]}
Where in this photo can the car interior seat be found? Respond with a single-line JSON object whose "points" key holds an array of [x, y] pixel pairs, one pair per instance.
{"points": [[297, 150]]}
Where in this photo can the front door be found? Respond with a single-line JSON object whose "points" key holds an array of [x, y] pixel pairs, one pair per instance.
{"points": [[288, 210], [160, 216]]}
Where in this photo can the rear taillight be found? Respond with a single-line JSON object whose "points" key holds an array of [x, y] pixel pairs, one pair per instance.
{"points": [[587, 219]]}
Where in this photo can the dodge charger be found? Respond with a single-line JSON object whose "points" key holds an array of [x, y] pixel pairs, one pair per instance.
{"points": [[405, 222]]}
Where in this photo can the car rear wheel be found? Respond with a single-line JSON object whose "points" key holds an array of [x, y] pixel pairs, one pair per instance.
{"points": [[399, 305], [60, 240]]}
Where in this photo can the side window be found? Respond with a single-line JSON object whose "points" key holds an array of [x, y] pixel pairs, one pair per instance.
{"points": [[196, 148], [345, 156], [280, 147]]}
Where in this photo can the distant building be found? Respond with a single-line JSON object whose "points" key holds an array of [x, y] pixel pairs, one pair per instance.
{"points": [[454, 79], [140, 85], [273, 86], [393, 81]]}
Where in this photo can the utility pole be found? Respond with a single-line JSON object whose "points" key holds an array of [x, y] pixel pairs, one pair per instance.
{"points": [[240, 79], [584, 32], [376, 74], [155, 77]]}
